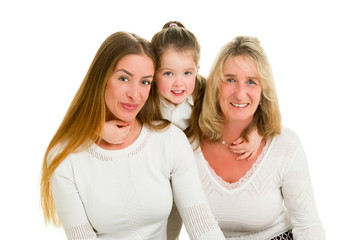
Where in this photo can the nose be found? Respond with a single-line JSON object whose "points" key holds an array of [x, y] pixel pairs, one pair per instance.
{"points": [[240, 91], [178, 81], [132, 91]]}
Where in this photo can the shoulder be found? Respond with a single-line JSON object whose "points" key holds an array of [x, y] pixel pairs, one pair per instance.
{"points": [[287, 135], [77, 157], [286, 143], [169, 132]]}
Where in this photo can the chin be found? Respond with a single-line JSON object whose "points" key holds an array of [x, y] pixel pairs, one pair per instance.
{"points": [[126, 117]]}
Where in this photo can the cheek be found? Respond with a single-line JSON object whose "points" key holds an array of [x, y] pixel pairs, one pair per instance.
{"points": [[145, 94], [191, 84], [109, 93], [256, 95], [224, 91], [163, 85]]}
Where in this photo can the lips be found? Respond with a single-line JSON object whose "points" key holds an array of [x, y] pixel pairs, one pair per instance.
{"points": [[240, 105], [129, 106], [177, 92]]}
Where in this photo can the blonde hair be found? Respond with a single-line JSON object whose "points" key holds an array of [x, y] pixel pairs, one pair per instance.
{"points": [[175, 36], [207, 120], [85, 117]]}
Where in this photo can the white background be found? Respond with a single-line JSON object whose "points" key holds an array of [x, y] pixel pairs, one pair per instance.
{"points": [[46, 48]]}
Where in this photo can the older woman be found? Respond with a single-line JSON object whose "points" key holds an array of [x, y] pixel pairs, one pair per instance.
{"points": [[121, 191], [270, 196]]}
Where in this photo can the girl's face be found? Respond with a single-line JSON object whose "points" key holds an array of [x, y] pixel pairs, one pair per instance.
{"points": [[128, 87], [240, 92], [176, 75]]}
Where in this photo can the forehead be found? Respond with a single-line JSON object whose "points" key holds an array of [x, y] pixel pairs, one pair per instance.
{"points": [[132, 61], [173, 54], [240, 63]]}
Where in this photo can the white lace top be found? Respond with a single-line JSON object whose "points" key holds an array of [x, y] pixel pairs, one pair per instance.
{"points": [[180, 114], [275, 195], [126, 194]]}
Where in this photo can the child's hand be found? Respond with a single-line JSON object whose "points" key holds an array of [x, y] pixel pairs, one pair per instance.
{"points": [[247, 150], [115, 131]]}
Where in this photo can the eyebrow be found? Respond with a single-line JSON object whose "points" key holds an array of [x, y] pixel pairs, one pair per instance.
{"points": [[130, 74], [230, 75], [171, 69], [254, 78], [148, 76], [234, 75], [123, 70]]}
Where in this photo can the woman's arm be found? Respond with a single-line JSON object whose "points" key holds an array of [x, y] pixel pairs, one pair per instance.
{"points": [[299, 199], [68, 204], [188, 193]]}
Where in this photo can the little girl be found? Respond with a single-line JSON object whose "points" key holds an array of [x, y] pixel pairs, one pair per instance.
{"points": [[178, 84]]}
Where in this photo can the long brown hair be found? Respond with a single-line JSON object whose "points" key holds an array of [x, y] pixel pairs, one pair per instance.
{"points": [[83, 123]]}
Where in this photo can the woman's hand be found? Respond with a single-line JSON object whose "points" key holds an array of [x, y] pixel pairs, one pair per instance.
{"points": [[115, 131]]}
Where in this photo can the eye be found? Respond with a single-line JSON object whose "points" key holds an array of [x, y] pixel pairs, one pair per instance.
{"points": [[145, 82], [251, 82], [123, 79], [188, 73], [230, 80], [168, 74]]}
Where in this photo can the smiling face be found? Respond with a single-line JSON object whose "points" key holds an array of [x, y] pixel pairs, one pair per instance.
{"points": [[176, 75], [128, 87], [240, 91]]}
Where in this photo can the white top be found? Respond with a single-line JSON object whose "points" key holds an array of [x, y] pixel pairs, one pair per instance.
{"points": [[275, 194], [126, 194], [177, 114]]}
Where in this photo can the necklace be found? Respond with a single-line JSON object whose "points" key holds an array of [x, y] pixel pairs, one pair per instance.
{"points": [[225, 143]]}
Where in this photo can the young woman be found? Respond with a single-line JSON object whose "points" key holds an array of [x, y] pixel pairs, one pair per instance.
{"points": [[99, 190]]}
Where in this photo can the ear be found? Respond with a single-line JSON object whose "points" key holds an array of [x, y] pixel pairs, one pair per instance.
{"points": [[198, 67]]}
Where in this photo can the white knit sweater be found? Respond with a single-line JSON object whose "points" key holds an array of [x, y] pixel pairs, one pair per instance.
{"points": [[127, 194], [275, 194]]}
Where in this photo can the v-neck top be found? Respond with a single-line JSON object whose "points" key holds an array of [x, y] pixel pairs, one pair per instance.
{"points": [[275, 195]]}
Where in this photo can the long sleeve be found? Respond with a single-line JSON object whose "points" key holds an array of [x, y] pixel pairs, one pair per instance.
{"points": [[126, 193], [188, 193], [299, 200], [174, 224], [68, 204]]}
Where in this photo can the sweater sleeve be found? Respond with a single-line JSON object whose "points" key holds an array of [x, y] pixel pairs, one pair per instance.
{"points": [[174, 224], [299, 199], [68, 204], [188, 193]]}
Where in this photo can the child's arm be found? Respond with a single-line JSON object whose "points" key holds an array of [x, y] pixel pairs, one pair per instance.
{"points": [[247, 150], [115, 131]]}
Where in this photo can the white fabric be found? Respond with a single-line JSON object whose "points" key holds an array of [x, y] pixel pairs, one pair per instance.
{"points": [[274, 196], [126, 194], [180, 114]]}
